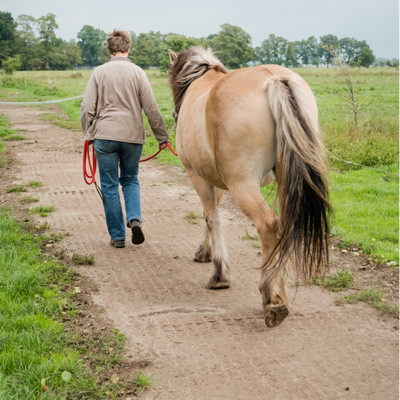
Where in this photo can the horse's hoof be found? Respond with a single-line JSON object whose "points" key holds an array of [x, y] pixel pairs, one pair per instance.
{"points": [[216, 284], [202, 256], [275, 314]]}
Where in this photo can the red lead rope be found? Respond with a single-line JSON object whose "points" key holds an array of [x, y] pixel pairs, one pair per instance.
{"points": [[89, 177], [149, 158]]}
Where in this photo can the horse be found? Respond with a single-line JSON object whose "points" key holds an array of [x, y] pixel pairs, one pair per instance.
{"points": [[244, 129]]}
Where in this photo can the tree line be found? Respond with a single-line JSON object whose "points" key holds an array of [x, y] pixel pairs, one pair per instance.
{"points": [[29, 43]]}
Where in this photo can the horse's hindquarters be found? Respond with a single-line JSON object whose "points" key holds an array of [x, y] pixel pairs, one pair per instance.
{"points": [[240, 125]]}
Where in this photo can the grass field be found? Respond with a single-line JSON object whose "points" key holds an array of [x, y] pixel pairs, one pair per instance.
{"points": [[365, 202]]}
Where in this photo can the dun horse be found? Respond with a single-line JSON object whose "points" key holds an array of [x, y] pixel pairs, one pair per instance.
{"points": [[238, 131]]}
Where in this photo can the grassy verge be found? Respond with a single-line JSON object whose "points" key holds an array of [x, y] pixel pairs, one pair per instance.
{"points": [[366, 212], [337, 282], [52, 345], [375, 298], [343, 280], [43, 355], [35, 358]]}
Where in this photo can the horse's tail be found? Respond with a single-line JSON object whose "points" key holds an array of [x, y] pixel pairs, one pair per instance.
{"points": [[301, 176]]}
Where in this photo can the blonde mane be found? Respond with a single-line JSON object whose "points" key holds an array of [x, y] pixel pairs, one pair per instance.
{"points": [[187, 67]]}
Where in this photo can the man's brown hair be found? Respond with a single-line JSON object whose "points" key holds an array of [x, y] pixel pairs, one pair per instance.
{"points": [[118, 42]]}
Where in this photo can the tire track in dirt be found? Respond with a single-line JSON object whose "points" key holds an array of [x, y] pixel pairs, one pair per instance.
{"points": [[203, 344]]}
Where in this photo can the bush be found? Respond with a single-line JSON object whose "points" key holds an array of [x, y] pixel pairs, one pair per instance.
{"points": [[11, 64]]}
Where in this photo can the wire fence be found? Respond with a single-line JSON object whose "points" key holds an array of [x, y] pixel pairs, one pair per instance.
{"points": [[364, 166], [37, 103]]}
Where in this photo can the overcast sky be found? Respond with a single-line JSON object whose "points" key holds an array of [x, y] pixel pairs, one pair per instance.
{"points": [[375, 21]]}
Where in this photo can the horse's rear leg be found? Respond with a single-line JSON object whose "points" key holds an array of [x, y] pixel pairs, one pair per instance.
{"points": [[204, 253], [272, 285], [214, 239]]}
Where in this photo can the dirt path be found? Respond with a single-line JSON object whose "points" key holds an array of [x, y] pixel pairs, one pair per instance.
{"points": [[203, 344]]}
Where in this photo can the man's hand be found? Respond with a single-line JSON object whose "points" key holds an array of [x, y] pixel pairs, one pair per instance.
{"points": [[163, 146]]}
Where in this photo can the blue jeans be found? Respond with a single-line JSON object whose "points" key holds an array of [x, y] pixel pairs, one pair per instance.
{"points": [[109, 154]]}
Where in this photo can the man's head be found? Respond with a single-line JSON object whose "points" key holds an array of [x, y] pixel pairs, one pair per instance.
{"points": [[118, 42]]}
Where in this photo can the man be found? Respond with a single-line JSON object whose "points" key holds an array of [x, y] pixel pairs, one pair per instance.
{"points": [[111, 116]]}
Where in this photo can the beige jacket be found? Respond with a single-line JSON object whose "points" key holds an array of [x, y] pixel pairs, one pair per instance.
{"points": [[113, 101]]}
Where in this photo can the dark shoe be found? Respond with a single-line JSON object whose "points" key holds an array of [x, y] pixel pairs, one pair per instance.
{"points": [[118, 244], [137, 233]]}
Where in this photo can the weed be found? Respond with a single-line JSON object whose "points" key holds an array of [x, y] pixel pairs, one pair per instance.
{"points": [[248, 236], [142, 380], [43, 211], [79, 259], [14, 138], [6, 133], [35, 184], [63, 121], [17, 189], [54, 237], [193, 218], [42, 227], [29, 199], [255, 240], [374, 298], [337, 282]]}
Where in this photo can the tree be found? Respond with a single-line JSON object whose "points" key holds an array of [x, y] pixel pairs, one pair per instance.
{"points": [[328, 43], [273, 50], [146, 49], [177, 43], [11, 64], [307, 51], [90, 41], [27, 42], [291, 55], [7, 34], [349, 50], [46, 29], [232, 45], [366, 56], [65, 56]]}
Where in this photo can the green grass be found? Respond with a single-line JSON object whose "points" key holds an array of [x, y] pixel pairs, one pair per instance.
{"points": [[193, 217], [65, 121], [32, 345], [254, 240], [373, 297], [6, 132], [35, 184], [39, 357], [43, 211], [79, 259], [143, 380], [29, 199], [364, 201], [17, 189], [366, 211], [336, 282]]}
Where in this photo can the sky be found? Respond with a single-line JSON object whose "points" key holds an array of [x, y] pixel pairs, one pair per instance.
{"points": [[377, 22]]}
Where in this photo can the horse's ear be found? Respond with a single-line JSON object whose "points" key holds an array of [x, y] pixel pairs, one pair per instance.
{"points": [[172, 57]]}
